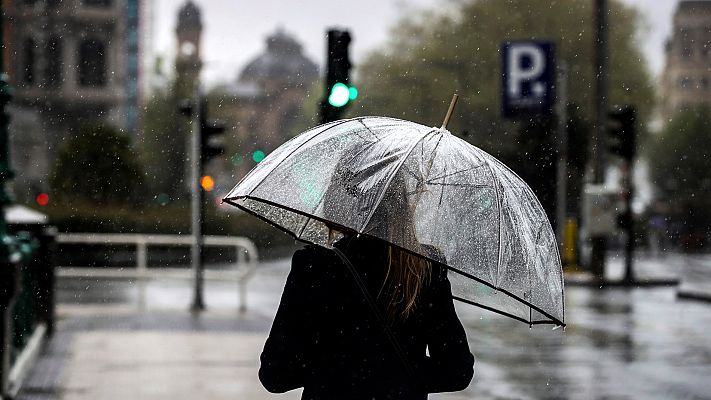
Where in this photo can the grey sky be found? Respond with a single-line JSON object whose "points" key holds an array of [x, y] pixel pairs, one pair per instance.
{"points": [[235, 31]]}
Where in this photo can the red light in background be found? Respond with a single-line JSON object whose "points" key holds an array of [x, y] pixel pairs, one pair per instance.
{"points": [[42, 199]]}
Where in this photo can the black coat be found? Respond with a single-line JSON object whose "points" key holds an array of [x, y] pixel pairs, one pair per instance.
{"points": [[326, 338]]}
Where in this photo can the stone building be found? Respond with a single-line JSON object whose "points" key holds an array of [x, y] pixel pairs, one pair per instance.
{"points": [[70, 62], [686, 79], [266, 102]]}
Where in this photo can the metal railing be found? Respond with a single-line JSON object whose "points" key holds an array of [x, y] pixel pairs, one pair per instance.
{"points": [[245, 262]]}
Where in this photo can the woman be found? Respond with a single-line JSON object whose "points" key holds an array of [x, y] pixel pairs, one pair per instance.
{"points": [[326, 337]]}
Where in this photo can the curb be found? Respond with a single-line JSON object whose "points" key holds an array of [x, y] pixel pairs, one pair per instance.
{"points": [[589, 281]]}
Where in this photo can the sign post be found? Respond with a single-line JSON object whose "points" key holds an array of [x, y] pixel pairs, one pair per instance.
{"points": [[529, 82]]}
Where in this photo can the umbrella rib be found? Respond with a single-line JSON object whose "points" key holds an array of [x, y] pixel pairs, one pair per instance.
{"points": [[441, 192], [431, 180], [530, 282], [390, 178], [499, 205], [434, 153], [369, 130], [294, 151], [476, 186]]}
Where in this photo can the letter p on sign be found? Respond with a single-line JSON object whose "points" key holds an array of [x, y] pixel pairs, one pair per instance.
{"points": [[528, 78]]}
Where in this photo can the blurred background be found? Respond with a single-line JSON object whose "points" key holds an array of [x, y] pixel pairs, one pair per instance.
{"points": [[108, 183], [77, 66]]}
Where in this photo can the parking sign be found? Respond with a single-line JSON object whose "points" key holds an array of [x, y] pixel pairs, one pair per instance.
{"points": [[527, 78]]}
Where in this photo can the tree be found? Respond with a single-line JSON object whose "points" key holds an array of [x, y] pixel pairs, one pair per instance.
{"points": [[163, 143], [98, 165], [678, 160], [433, 54]]}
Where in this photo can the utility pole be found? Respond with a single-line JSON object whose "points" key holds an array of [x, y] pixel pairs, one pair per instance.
{"points": [[599, 244], [196, 200], [562, 165], [205, 144]]}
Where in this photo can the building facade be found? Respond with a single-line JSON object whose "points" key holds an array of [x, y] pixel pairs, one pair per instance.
{"points": [[71, 63], [266, 104], [686, 79]]}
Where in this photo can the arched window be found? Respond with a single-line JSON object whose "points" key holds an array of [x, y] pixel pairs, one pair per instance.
{"points": [[92, 63], [53, 74], [28, 69]]}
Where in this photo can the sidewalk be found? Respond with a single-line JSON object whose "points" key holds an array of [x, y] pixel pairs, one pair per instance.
{"points": [[106, 347], [648, 271], [123, 354]]}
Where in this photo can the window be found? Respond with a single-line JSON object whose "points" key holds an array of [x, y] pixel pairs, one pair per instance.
{"points": [[685, 83], [97, 3], [92, 63], [53, 73], [28, 70]]}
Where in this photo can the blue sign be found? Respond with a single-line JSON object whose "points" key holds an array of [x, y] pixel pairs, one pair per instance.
{"points": [[527, 78]]}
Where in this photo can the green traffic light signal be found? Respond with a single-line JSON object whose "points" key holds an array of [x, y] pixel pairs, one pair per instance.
{"points": [[341, 94], [258, 156]]}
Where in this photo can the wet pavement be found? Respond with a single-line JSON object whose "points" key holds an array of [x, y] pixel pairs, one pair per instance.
{"points": [[640, 343]]}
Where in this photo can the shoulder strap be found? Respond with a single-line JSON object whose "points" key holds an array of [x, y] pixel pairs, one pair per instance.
{"points": [[378, 315]]}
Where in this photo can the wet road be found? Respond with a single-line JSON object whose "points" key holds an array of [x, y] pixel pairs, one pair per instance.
{"points": [[642, 343]]}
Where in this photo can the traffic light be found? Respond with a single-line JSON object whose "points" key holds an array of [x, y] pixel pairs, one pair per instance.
{"points": [[210, 135], [207, 183], [42, 199], [621, 132], [339, 92], [258, 156]]}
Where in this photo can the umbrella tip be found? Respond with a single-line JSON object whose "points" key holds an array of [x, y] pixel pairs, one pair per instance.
{"points": [[450, 111]]}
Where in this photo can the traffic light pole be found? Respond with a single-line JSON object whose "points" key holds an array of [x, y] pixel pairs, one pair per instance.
{"points": [[197, 199], [599, 244], [562, 166]]}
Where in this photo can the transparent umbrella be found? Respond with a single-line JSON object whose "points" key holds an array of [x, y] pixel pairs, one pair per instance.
{"points": [[418, 188]]}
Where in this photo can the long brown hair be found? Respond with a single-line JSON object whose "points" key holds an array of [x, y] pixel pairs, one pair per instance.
{"points": [[406, 276]]}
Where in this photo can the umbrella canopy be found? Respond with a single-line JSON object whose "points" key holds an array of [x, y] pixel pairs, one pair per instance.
{"points": [[418, 188]]}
